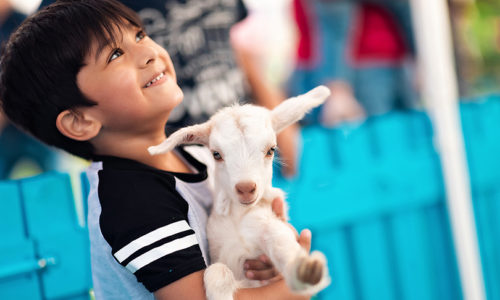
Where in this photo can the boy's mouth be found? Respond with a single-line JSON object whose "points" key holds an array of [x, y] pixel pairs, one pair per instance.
{"points": [[160, 76]]}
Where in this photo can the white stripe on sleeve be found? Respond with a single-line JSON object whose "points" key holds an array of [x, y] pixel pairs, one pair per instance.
{"points": [[150, 238], [161, 251]]}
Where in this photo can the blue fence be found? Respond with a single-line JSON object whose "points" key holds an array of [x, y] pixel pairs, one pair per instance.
{"points": [[372, 194], [374, 197], [481, 118], [44, 252]]}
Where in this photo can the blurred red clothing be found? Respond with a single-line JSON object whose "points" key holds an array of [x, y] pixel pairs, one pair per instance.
{"points": [[377, 36]]}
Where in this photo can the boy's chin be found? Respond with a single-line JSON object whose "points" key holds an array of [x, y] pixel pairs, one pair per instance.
{"points": [[178, 96], [181, 95]]}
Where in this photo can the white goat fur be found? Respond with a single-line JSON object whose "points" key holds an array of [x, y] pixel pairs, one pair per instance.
{"points": [[240, 229]]}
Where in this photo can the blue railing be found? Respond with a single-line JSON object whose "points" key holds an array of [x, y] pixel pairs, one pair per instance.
{"points": [[44, 253], [374, 197]]}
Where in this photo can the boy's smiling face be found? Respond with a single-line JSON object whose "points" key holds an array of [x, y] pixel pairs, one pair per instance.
{"points": [[133, 83]]}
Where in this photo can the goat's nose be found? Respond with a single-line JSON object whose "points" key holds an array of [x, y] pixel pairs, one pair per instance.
{"points": [[246, 188]]}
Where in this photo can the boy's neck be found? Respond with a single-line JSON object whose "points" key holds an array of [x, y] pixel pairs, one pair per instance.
{"points": [[135, 148], [169, 161]]}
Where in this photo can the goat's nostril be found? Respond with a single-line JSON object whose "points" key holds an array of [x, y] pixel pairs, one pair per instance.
{"points": [[247, 187]]}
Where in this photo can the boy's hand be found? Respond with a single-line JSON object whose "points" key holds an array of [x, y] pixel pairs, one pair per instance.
{"points": [[278, 206], [262, 267]]}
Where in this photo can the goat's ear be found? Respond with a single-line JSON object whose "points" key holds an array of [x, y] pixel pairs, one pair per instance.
{"points": [[294, 109], [196, 134]]}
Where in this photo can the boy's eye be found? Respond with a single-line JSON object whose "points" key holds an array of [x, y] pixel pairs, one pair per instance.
{"points": [[115, 54], [140, 35]]}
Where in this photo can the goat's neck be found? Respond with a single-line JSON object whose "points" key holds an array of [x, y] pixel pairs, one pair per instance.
{"points": [[239, 211], [225, 206]]}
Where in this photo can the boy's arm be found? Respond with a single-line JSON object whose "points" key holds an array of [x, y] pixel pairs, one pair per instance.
{"points": [[275, 291], [191, 287], [188, 287]]}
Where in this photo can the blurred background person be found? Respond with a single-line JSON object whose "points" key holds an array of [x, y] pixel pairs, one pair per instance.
{"points": [[9, 19], [362, 50]]}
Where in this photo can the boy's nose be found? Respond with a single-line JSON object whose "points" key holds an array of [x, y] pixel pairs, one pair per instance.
{"points": [[146, 55], [146, 59]]}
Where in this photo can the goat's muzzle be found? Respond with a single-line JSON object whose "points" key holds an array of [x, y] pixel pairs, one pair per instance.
{"points": [[246, 191]]}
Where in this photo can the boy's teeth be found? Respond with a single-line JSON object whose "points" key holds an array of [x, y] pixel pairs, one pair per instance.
{"points": [[154, 80]]}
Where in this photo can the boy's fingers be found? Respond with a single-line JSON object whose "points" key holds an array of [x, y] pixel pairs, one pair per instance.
{"points": [[261, 275], [263, 258], [305, 239], [260, 269], [278, 208], [279, 276], [256, 265]]}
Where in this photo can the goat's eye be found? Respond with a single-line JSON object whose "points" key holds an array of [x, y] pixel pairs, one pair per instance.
{"points": [[271, 151], [216, 155]]}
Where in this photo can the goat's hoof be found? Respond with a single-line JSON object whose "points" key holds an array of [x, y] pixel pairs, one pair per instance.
{"points": [[311, 269]]}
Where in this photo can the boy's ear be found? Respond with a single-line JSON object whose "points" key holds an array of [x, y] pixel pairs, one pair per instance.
{"points": [[77, 125]]}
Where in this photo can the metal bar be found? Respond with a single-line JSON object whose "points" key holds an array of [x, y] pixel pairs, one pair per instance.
{"points": [[23, 267], [440, 93]]}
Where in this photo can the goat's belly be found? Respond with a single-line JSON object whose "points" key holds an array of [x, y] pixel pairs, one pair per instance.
{"points": [[227, 246], [234, 254]]}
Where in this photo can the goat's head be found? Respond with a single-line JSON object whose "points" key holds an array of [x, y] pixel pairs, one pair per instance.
{"points": [[243, 141]]}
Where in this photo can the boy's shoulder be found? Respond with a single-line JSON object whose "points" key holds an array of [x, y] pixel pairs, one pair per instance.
{"points": [[129, 176], [126, 186], [134, 195], [129, 190], [129, 185]]}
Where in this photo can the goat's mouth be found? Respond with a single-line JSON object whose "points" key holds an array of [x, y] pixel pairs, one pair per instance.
{"points": [[247, 202]]}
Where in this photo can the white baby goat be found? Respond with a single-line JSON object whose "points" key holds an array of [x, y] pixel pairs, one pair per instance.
{"points": [[242, 225]]}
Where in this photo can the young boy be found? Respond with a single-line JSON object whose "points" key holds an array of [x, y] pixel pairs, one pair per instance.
{"points": [[83, 76]]}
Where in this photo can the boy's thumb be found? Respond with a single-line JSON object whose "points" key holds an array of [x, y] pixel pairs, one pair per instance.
{"points": [[305, 239]]}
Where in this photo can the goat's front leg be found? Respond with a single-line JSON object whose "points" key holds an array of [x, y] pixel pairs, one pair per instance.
{"points": [[219, 281], [304, 273]]}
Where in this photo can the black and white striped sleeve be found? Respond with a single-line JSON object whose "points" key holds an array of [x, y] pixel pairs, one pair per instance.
{"points": [[144, 220]]}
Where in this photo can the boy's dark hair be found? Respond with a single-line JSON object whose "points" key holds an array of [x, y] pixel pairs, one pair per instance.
{"points": [[40, 62]]}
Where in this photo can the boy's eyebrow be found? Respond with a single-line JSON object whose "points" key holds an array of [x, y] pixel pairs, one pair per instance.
{"points": [[109, 41], [100, 49]]}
